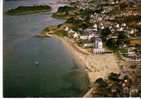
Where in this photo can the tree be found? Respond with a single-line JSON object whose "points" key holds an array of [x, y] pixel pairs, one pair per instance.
{"points": [[113, 76], [122, 38], [65, 9], [112, 44], [85, 12], [105, 32], [101, 82], [102, 89]]}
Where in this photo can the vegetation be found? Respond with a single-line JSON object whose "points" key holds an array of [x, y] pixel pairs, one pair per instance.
{"points": [[28, 9], [64, 12], [112, 87], [105, 32], [61, 33], [56, 29], [83, 13], [78, 23], [128, 19], [112, 44], [65, 9], [47, 29], [122, 38]]}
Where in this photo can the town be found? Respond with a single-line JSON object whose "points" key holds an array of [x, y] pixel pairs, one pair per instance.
{"points": [[111, 24], [103, 27]]}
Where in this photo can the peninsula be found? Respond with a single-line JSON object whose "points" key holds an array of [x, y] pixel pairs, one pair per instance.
{"points": [[28, 9]]}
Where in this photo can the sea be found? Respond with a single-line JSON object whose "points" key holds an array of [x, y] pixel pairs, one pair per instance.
{"points": [[37, 67]]}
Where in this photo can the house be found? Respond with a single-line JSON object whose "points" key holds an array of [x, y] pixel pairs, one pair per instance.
{"points": [[117, 26], [133, 31], [98, 48], [84, 37], [88, 45], [112, 36], [123, 24], [134, 48], [91, 36], [102, 26], [95, 27], [139, 23], [76, 35], [71, 31], [131, 51], [121, 29], [66, 28]]}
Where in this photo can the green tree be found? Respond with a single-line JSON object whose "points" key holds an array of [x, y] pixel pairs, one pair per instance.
{"points": [[113, 76], [105, 32], [102, 88], [122, 38], [65, 9], [112, 44]]}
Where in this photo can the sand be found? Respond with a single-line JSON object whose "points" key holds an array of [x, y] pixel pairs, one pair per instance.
{"points": [[96, 66]]}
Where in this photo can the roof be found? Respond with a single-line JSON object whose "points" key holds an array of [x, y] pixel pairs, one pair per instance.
{"points": [[135, 41]]}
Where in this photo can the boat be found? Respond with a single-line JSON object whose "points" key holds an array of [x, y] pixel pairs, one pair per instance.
{"points": [[36, 62]]}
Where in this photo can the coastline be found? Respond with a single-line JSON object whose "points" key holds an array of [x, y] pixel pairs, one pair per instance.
{"points": [[95, 66]]}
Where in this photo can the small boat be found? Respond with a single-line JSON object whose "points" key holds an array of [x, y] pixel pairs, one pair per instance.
{"points": [[36, 62]]}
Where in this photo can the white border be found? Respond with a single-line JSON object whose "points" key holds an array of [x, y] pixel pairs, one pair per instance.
{"points": [[1, 61], [1, 48]]}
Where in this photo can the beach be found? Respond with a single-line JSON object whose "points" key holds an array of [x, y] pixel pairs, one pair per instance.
{"points": [[98, 65]]}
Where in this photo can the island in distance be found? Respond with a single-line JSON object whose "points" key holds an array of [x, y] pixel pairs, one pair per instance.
{"points": [[28, 9]]}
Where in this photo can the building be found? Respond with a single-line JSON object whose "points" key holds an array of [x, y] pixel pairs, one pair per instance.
{"points": [[98, 43], [88, 45], [84, 37], [98, 48], [76, 35]]}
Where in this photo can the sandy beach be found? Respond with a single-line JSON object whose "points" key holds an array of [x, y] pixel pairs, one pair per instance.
{"points": [[96, 66]]}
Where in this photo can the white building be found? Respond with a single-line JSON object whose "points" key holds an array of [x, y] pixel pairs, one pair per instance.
{"points": [[88, 45], [91, 36], [117, 26], [121, 29], [84, 37], [123, 24], [71, 31], [98, 43], [98, 46], [66, 29], [76, 35]]}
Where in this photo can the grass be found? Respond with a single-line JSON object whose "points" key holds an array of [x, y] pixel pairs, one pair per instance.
{"points": [[55, 29], [60, 33]]}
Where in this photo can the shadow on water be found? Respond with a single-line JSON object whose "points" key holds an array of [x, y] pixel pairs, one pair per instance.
{"points": [[32, 66], [77, 84]]}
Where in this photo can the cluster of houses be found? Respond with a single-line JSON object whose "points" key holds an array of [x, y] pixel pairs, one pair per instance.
{"points": [[134, 49], [89, 39], [103, 20]]}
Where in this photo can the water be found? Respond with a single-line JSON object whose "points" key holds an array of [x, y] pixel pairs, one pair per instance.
{"points": [[56, 75]]}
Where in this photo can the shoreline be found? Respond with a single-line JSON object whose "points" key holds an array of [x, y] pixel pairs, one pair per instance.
{"points": [[93, 65]]}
